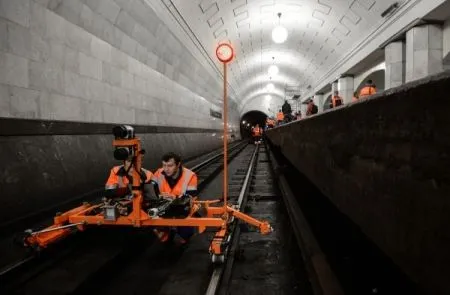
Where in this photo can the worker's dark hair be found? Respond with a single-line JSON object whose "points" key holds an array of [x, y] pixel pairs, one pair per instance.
{"points": [[171, 155]]}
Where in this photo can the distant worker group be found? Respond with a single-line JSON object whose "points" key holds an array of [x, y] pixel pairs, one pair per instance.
{"points": [[368, 89], [285, 115], [257, 133]]}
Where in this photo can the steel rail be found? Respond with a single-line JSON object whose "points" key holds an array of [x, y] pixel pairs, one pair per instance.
{"points": [[219, 270]]}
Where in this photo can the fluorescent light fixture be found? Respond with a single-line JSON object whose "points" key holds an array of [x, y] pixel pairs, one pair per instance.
{"points": [[279, 34], [273, 70]]}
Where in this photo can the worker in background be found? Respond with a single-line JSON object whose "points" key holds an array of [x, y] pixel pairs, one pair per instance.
{"points": [[336, 100], [175, 181], [287, 111], [120, 176], [257, 133], [368, 89], [270, 123], [298, 115], [355, 96], [280, 117], [312, 108]]}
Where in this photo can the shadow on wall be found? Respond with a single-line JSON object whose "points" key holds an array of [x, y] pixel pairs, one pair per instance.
{"points": [[377, 78]]}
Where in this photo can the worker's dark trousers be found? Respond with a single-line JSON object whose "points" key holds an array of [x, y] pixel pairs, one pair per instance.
{"points": [[185, 231]]}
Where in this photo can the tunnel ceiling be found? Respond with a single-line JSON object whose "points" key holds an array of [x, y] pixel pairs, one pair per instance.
{"points": [[320, 32]]}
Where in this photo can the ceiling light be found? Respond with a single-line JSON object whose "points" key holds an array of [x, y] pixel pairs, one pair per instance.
{"points": [[279, 34], [273, 70], [270, 87], [268, 96]]}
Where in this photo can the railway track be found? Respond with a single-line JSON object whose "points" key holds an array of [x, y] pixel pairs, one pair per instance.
{"points": [[248, 250], [254, 264], [130, 261]]}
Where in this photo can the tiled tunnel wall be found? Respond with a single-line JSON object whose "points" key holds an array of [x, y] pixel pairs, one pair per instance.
{"points": [[106, 61], [385, 162], [100, 61]]}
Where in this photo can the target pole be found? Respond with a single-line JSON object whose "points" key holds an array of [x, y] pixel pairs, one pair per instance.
{"points": [[225, 54]]}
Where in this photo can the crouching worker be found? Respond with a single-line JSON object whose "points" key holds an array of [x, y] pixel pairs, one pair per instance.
{"points": [[117, 185], [257, 133], [175, 181]]}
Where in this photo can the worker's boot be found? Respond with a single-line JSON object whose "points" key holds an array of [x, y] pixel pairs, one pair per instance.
{"points": [[163, 235], [179, 241], [183, 235]]}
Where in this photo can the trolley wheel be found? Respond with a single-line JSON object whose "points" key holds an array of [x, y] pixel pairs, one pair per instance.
{"points": [[20, 239], [217, 258]]}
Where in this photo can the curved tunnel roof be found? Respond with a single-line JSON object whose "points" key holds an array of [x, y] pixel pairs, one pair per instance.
{"points": [[320, 32]]}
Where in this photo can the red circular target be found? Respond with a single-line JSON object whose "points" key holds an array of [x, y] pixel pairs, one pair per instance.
{"points": [[224, 52]]}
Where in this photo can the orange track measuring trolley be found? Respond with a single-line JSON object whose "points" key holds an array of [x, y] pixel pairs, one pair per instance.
{"points": [[135, 212]]}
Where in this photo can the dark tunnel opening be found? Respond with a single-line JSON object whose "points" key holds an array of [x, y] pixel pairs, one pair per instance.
{"points": [[250, 119]]}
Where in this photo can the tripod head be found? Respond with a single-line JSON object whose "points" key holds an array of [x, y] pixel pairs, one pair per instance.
{"points": [[127, 147]]}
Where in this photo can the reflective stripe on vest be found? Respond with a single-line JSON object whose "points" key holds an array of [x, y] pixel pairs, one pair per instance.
{"points": [[119, 183], [160, 180], [280, 116], [187, 177], [367, 90]]}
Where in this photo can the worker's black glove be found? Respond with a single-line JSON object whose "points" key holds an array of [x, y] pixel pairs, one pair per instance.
{"points": [[117, 192], [185, 196], [182, 200], [143, 177]]}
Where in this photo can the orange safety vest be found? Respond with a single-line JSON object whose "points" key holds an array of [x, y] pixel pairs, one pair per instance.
{"points": [[280, 116], [187, 182], [309, 110], [257, 131], [337, 100], [116, 181], [367, 90]]}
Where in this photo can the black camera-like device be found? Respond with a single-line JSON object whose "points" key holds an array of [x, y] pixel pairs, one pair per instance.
{"points": [[123, 153], [123, 132]]}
